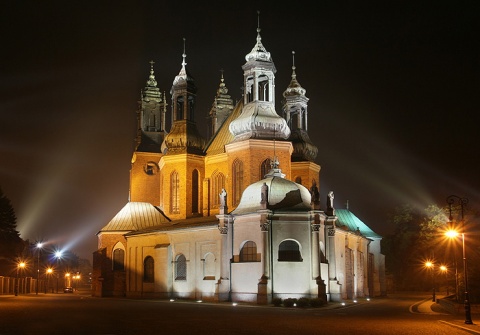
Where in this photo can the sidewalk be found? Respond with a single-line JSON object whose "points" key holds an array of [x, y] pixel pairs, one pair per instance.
{"points": [[433, 308]]}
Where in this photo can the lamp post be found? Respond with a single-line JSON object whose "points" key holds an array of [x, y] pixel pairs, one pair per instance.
{"points": [[58, 256], [19, 265], [444, 269], [49, 273], [451, 234], [430, 265], [462, 201], [39, 248]]}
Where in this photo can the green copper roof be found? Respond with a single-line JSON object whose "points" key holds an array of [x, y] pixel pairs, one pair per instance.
{"points": [[348, 220]]}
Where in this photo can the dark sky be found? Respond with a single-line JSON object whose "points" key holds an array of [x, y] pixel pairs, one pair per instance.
{"points": [[393, 89]]}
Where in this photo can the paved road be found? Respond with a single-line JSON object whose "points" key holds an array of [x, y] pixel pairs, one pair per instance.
{"points": [[82, 314]]}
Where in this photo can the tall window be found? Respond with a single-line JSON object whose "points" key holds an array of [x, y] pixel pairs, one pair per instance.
{"points": [[218, 182], [174, 193], [265, 167], [181, 267], [195, 191], [148, 269], [237, 172], [263, 88], [289, 251], [209, 267], [118, 259], [298, 180], [248, 253]]}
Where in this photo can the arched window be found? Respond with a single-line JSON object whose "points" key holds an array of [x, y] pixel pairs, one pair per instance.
{"points": [[195, 191], [148, 269], [237, 173], [263, 88], [248, 253], [209, 267], [265, 167], [180, 267], [118, 260], [218, 182], [174, 193], [289, 251], [298, 180], [180, 101]]}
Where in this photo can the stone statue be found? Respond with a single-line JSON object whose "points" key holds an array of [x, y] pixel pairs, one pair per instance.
{"points": [[330, 200], [314, 192], [223, 198], [264, 194]]}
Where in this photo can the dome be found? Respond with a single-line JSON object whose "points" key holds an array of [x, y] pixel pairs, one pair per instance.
{"points": [[283, 194]]}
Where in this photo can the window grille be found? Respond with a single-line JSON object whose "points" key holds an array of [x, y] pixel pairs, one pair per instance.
{"points": [[248, 253], [289, 251]]}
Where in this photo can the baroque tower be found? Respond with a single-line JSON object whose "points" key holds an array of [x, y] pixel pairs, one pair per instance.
{"points": [[182, 166]]}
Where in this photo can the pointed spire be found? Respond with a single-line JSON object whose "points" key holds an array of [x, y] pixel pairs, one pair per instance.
{"points": [[258, 52], [152, 82], [184, 55], [294, 88]]}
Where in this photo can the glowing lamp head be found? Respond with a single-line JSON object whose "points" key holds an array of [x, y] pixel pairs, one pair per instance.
{"points": [[21, 264], [428, 264], [39, 245], [49, 270], [451, 233]]}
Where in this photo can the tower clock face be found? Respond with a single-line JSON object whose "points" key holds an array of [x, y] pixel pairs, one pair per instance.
{"points": [[151, 168]]}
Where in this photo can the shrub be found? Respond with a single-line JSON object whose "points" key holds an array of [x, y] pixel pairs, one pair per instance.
{"points": [[289, 302], [277, 302], [317, 302], [303, 302]]}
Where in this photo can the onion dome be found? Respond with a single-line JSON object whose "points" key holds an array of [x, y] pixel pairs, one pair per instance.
{"points": [[258, 119], [277, 192]]}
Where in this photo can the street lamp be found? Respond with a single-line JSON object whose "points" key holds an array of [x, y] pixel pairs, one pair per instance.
{"points": [[462, 201], [19, 265], [452, 234], [39, 248], [430, 265], [444, 269], [58, 256], [49, 273]]}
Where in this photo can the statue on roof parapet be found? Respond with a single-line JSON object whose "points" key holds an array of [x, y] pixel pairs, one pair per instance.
{"points": [[330, 208]]}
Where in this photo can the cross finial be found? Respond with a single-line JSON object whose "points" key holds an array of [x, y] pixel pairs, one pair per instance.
{"points": [[258, 21], [184, 55]]}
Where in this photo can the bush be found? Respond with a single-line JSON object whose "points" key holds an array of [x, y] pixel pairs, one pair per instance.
{"points": [[303, 302], [277, 302], [317, 302], [289, 302]]}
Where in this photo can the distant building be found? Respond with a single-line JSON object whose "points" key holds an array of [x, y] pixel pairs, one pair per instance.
{"points": [[237, 217]]}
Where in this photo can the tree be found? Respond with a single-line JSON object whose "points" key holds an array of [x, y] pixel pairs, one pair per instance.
{"points": [[11, 244]]}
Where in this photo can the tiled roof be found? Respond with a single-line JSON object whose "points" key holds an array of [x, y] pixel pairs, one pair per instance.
{"points": [[191, 223], [136, 216], [347, 219], [223, 135]]}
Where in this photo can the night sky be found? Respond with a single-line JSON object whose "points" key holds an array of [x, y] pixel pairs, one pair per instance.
{"points": [[393, 89]]}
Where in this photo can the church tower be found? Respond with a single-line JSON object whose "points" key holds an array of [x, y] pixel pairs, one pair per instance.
{"points": [[221, 108], [144, 174], [182, 165], [258, 126], [295, 112]]}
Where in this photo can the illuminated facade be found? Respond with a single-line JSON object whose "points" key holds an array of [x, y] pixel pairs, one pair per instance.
{"points": [[237, 217]]}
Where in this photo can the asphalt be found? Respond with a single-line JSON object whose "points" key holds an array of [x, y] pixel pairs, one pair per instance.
{"points": [[430, 307], [426, 306]]}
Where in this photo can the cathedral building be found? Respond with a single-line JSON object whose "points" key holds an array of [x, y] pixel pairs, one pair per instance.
{"points": [[236, 216]]}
